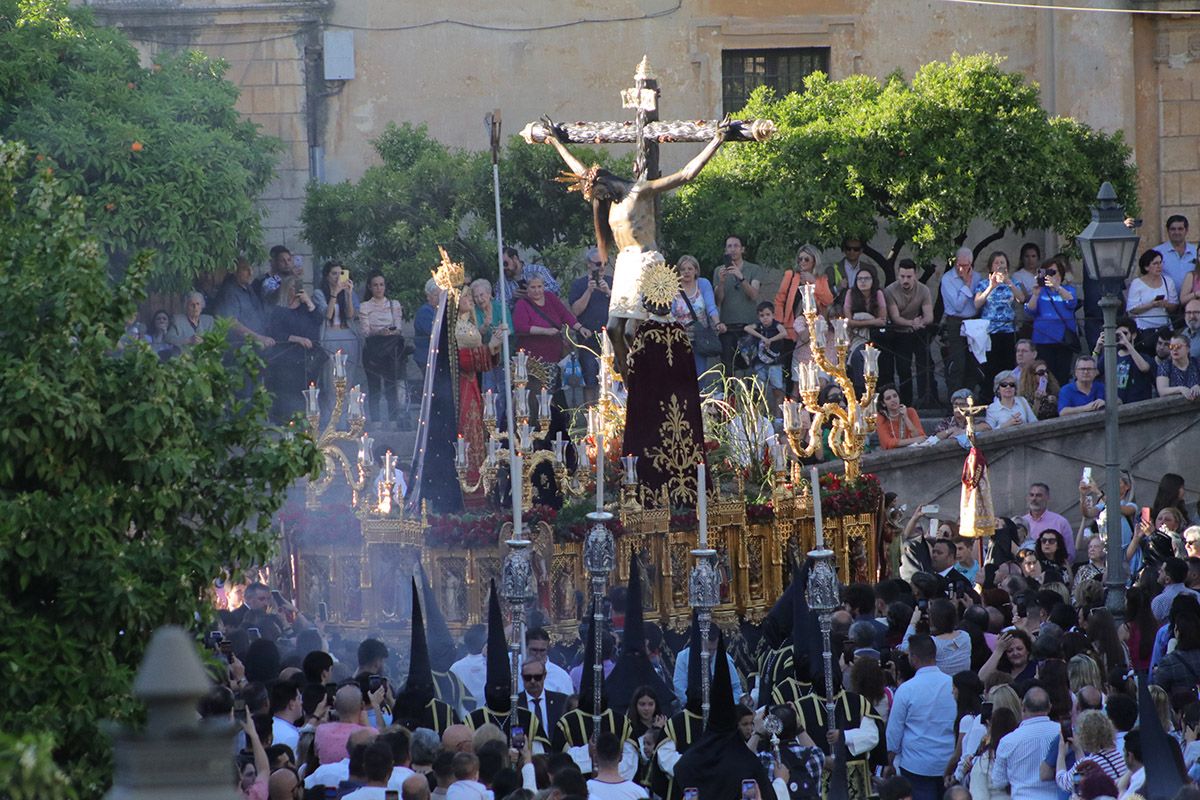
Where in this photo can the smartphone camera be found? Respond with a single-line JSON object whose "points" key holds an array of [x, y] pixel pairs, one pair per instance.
{"points": [[923, 605], [1041, 277], [749, 789], [518, 737]]}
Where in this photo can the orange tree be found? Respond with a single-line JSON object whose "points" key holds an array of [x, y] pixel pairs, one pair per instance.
{"points": [[126, 484], [921, 160], [159, 156]]}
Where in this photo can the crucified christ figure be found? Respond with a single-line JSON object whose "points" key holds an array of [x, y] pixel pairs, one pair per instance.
{"points": [[624, 211]]}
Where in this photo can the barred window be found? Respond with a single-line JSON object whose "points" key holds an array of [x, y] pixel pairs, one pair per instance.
{"points": [[783, 69]]}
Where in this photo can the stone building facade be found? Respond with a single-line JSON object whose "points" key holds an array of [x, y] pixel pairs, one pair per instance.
{"points": [[327, 76]]}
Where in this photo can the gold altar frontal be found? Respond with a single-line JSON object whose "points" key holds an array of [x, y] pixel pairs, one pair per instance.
{"points": [[364, 585]]}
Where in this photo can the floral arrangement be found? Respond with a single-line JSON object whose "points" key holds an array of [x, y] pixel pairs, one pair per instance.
{"points": [[841, 498], [478, 530]]}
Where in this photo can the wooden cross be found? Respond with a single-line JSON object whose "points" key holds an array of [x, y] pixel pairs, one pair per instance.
{"points": [[646, 131]]}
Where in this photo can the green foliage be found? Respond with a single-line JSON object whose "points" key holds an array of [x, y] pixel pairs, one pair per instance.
{"points": [[425, 194], [126, 484], [963, 140], [160, 156], [28, 771]]}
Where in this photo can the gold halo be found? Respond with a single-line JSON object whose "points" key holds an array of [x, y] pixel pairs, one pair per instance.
{"points": [[660, 284]]}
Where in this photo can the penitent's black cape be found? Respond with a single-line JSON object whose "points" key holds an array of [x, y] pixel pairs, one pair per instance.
{"points": [[718, 763]]}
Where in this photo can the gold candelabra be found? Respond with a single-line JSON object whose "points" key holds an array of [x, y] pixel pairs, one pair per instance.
{"points": [[850, 425], [527, 434], [330, 439]]}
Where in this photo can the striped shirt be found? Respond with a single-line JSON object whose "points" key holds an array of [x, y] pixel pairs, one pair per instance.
{"points": [[1019, 760], [1112, 761]]}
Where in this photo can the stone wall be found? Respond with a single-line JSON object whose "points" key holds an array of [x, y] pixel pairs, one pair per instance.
{"points": [[266, 45], [1156, 436]]}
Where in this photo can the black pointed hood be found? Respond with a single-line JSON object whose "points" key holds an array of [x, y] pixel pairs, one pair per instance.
{"points": [[722, 716], [442, 652], [497, 690], [633, 668], [419, 688], [718, 763], [1160, 752], [587, 675], [694, 689], [420, 673]]}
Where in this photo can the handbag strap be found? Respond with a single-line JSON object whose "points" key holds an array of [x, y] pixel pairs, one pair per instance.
{"points": [[542, 314], [688, 300]]}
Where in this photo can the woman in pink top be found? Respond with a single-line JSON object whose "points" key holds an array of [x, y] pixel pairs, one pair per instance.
{"points": [[539, 319]]}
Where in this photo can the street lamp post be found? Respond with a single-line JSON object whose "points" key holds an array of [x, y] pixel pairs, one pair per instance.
{"points": [[1109, 246]]}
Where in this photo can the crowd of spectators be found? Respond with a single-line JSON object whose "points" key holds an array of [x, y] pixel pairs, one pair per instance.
{"points": [[990, 667], [1013, 338]]}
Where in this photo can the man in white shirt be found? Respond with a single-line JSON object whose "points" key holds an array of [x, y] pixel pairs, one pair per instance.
{"points": [[286, 710], [680, 677], [1019, 754], [401, 745], [377, 768], [471, 669], [1179, 257], [608, 783]]}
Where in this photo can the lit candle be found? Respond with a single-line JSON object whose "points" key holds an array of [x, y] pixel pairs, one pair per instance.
{"points": [[310, 398], [840, 336], [339, 365], [460, 456], [599, 471], [630, 462], [871, 361], [779, 454], [817, 522], [809, 295], [521, 396], [365, 447], [387, 467], [822, 328], [489, 406], [702, 504], [524, 437], [790, 412], [521, 371], [544, 405], [518, 488], [355, 409]]}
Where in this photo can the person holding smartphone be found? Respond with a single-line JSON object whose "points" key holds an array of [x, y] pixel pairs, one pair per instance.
{"points": [[1151, 299]]}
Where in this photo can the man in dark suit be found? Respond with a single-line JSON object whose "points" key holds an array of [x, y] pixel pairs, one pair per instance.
{"points": [[546, 706]]}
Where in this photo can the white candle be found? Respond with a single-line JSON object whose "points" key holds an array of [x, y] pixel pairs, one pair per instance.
{"points": [[489, 406], [339, 365], [808, 293], [702, 505], [817, 523], [461, 451], [544, 405], [840, 335], [310, 395], [518, 488], [789, 407], [355, 408], [599, 472]]}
